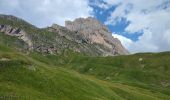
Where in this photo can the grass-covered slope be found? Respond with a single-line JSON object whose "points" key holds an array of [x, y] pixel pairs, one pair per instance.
{"points": [[28, 75], [24, 78], [71, 76]]}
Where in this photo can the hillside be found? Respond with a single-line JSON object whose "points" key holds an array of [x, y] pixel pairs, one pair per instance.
{"points": [[73, 76], [29, 70], [56, 39]]}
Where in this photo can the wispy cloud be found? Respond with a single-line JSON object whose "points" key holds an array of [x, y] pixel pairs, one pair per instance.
{"points": [[45, 12], [150, 17], [126, 42]]}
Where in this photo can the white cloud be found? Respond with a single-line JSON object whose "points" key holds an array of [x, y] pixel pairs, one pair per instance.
{"points": [[46, 12], [150, 17], [126, 42]]}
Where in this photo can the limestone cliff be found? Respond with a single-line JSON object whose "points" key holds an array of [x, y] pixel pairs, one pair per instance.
{"points": [[84, 35], [97, 33]]}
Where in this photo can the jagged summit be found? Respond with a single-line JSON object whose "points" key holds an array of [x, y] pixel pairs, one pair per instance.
{"points": [[85, 35], [88, 25], [96, 32]]}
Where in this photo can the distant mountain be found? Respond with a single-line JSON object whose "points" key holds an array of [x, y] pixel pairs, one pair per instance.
{"points": [[87, 36]]}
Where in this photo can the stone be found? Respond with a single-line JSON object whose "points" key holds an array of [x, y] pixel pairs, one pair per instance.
{"points": [[97, 33], [21, 34], [84, 35], [108, 78], [140, 59]]}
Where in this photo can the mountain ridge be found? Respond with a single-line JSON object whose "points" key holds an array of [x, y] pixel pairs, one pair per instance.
{"points": [[56, 38]]}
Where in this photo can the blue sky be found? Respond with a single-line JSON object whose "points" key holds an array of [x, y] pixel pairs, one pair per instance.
{"points": [[102, 15], [140, 25]]}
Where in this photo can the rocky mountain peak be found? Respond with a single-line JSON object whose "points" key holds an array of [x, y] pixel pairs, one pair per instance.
{"points": [[97, 33], [84, 35], [85, 25]]}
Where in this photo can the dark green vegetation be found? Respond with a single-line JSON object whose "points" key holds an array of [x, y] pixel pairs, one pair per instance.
{"points": [[72, 76]]}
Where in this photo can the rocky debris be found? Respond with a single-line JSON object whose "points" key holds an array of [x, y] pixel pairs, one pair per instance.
{"points": [[31, 67], [97, 33], [21, 34], [108, 78], [140, 59], [165, 83], [4, 59], [45, 49], [74, 41]]}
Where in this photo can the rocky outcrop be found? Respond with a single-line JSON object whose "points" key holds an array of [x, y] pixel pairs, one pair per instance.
{"points": [[85, 35], [74, 41], [21, 34], [97, 33]]}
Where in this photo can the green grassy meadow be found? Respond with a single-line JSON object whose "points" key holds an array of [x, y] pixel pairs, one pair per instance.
{"points": [[72, 76]]}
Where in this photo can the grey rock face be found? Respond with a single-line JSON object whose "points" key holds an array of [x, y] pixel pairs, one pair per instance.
{"points": [[87, 25], [87, 36], [73, 40], [97, 33], [21, 34]]}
